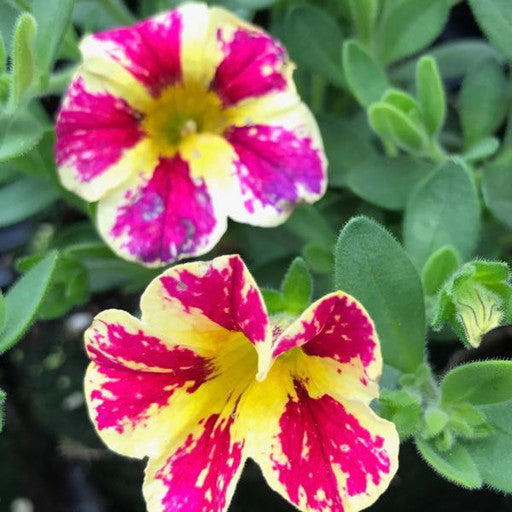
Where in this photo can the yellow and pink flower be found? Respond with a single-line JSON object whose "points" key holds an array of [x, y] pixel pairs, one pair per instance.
{"points": [[181, 121], [205, 379]]}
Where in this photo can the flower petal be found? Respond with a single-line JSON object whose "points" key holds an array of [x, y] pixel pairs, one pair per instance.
{"points": [[133, 378], [161, 217], [99, 141], [279, 159], [340, 347], [321, 454], [254, 65], [206, 296], [200, 474], [149, 50]]}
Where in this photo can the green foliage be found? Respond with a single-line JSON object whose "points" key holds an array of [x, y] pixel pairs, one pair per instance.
{"points": [[23, 59], [408, 26], [319, 258], [364, 14], [297, 287], [431, 94], [479, 383], [2, 54], [475, 300], [24, 198], [18, 134], [438, 268], [481, 101], [69, 286], [23, 300], [295, 293], [394, 125], [497, 192], [365, 79], [387, 182], [495, 19], [455, 464], [454, 59], [443, 210], [345, 145], [273, 300], [403, 407], [53, 18], [371, 266], [314, 41]]}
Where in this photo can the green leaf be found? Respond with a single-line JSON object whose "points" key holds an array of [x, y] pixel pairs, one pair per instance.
{"points": [[387, 182], [443, 210], [318, 258], [454, 59], [373, 267], [314, 41], [410, 26], [392, 124], [273, 300], [256, 4], [497, 192], [364, 15], [403, 102], [365, 79], [493, 458], [297, 287], [344, 146], [310, 225], [455, 464], [2, 54], [495, 19], [23, 58], [482, 149], [69, 285], [438, 268], [53, 18], [479, 383], [18, 134], [22, 301], [431, 94], [23, 198], [481, 100]]}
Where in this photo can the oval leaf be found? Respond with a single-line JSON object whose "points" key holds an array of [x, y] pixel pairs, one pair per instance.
{"points": [[410, 26], [387, 182], [481, 382], [22, 301], [455, 464], [497, 192], [373, 267], [314, 40], [495, 20], [443, 210], [366, 80], [483, 94], [23, 198]]}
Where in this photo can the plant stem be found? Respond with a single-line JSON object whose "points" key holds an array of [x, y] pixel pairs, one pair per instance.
{"points": [[57, 82], [118, 11], [436, 152]]}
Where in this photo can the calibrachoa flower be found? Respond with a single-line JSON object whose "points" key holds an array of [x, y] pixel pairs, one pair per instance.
{"points": [[180, 121], [205, 380]]}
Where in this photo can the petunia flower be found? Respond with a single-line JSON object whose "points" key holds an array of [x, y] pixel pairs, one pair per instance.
{"points": [[181, 121], [206, 379]]}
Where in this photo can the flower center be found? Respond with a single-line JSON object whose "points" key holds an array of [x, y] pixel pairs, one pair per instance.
{"points": [[180, 112]]}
